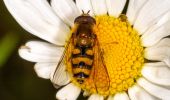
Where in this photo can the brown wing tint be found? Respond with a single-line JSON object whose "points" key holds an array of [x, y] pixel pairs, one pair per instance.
{"points": [[101, 77]]}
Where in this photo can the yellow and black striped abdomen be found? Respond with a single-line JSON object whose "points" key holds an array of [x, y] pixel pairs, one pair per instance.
{"points": [[82, 62]]}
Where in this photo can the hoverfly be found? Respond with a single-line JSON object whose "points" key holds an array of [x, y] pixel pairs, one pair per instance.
{"points": [[84, 55]]}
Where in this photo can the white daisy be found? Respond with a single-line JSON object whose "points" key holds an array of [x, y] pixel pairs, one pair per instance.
{"points": [[144, 36]]}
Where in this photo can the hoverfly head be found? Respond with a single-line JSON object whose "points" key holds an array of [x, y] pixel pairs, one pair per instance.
{"points": [[85, 18]]}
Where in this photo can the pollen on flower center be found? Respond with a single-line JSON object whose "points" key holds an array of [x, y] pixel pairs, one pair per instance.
{"points": [[122, 52]]}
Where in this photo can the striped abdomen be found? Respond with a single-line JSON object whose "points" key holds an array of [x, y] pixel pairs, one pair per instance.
{"points": [[82, 61]]}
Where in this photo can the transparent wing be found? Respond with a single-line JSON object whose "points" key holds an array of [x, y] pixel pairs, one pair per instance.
{"points": [[101, 76], [61, 76]]}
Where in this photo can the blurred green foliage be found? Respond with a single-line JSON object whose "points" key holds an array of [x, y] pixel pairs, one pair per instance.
{"points": [[18, 80], [7, 45]]}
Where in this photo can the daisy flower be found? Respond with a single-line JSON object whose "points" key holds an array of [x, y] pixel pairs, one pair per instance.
{"points": [[137, 64]]}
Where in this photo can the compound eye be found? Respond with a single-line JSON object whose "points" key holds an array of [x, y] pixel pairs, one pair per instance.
{"points": [[78, 19], [85, 19]]}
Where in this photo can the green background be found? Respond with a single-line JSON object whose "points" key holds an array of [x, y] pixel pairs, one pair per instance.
{"points": [[18, 80]]}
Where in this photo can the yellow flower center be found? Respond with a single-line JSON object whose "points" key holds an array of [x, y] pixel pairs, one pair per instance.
{"points": [[122, 52]]}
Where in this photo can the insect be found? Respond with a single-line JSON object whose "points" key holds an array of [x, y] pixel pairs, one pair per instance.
{"points": [[84, 55]]}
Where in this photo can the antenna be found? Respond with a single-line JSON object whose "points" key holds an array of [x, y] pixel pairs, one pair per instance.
{"points": [[82, 11], [88, 12]]}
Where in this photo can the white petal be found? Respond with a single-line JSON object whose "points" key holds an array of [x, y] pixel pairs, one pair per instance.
{"points": [[99, 7], [36, 51], [119, 96], [44, 70], [60, 76], [138, 93], [154, 90], [161, 53], [163, 20], [165, 42], [85, 5], [115, 7], [150, 14], [66, 10], [157, 73], [96, 97], [69, 92], [45, 48], [150, 38], [134, 8], [37, 18]]}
